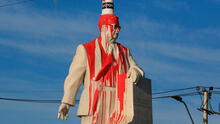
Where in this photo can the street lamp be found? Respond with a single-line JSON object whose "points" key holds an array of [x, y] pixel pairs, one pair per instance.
{"points": [[180, 99]]}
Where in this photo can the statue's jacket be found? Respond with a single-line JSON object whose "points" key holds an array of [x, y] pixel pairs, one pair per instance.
{"points": [[104, 79]]}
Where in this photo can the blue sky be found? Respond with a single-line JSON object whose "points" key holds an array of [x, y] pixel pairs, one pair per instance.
{"points": [[176, 42]]}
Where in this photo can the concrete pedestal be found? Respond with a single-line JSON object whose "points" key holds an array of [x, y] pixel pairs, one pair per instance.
{"points": [[143, 102]]}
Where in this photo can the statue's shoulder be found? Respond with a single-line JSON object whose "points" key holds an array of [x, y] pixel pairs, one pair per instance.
{"points": [[89, 46]]}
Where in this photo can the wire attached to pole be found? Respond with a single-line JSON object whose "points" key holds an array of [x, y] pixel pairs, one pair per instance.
{"points": [[32, 100], [185, 94], [175, 90]]}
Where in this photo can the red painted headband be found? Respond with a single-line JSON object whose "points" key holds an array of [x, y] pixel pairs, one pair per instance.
{"points": [[108, 19]]}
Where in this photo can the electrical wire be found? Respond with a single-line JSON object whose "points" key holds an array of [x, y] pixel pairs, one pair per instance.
{"points": [[216, 92], [30, 100], [14, 3], [44, 91], [175, 90], [216, 88], [31, 91], [58, 101], [185, 94]]}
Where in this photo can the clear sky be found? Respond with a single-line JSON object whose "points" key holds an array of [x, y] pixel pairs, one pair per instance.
{"points": [[176, 42]]}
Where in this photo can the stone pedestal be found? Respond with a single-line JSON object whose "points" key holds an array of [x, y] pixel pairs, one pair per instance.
{"points": [[143, 102]]}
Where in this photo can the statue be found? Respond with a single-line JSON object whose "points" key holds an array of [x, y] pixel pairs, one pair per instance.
{"points": [[107, 71]]}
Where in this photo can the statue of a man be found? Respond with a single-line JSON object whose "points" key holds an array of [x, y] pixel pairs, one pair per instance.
{"points": [[105, 68]]}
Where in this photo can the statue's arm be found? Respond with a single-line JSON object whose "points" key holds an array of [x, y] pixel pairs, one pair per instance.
{"points": [[75, 77], [134, 72], [73, 81]]}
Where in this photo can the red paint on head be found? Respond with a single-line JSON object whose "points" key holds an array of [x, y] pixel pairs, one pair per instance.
{"points": [[108, 19]]}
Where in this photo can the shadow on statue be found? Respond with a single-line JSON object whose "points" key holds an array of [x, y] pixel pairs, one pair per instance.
{"points": [[143, 102]]}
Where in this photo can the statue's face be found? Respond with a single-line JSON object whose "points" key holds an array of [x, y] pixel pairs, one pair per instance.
{"points": [[111, 32], [115, 31]]}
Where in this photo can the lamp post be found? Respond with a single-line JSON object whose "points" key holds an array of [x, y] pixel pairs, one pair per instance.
{"points": [[180, 99]]}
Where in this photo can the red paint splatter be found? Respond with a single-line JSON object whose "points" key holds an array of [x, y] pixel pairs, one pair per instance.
{"points": [[108, 76]]}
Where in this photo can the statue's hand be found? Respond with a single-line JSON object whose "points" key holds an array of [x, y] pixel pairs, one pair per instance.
{"points": [[63, 111], [134, 75]]}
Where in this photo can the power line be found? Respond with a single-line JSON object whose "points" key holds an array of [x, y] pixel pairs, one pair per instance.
{"points": [[30, 100], [14, 3], [175, 90], [59, 101], [216, 92], [185, 94], [31, 91], [48, 90]]}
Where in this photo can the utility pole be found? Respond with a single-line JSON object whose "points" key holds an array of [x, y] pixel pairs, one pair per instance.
{"points": [[206, 106]]}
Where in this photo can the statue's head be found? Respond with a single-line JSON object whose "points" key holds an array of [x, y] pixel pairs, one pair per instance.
{"points": [[108, 22], [109, 25]]}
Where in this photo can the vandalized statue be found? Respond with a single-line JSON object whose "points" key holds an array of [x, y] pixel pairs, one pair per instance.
{"points": [[107, 71]]}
